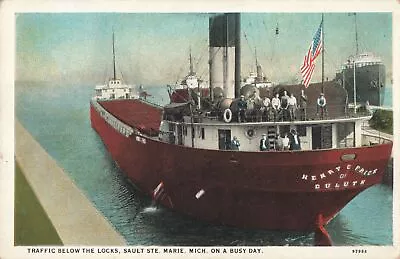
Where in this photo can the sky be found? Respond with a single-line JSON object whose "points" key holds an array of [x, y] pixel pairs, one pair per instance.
{"points": [[153, 48]]}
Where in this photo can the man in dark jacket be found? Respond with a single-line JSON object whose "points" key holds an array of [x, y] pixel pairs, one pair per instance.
{"points": [[264, 143], [242, 107], [294, 140]]}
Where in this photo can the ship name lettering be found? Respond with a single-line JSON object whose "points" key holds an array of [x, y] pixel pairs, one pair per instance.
{"points": [[341, 176], [313, 177], [348, 167], [304, 177], [337, 185], [365, 172], [338, 168], [322, 175], [330, 172]]}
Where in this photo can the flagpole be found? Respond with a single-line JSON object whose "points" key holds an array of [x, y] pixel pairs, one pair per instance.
{"points": [[323, 50]]}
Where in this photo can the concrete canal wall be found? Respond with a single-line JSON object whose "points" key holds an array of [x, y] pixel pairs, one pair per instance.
{"points": [[74, 217]]}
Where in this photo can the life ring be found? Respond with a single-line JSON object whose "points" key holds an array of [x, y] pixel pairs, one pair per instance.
{"points": [[250, 133], [227, 115]]}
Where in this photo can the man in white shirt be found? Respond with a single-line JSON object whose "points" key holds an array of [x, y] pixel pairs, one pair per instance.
{"points": [[285, 142], [292, 106], [265, 108], [321, 105], [276, 105]]}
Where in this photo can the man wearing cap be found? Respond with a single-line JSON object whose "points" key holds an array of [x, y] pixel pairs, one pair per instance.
{"points": [[294, 140], [242, 106], [321, 105], [264, 143], [235, 144]]}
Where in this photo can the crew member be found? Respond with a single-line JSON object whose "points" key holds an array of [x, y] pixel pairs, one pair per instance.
{"points": [[276, 106], [285, 142], [235, 143], [264, 143], [303, 106], [242, 106], [292, 104], [321, 105], [285, 104], [294, 140], [278, 143], [265, 106]]}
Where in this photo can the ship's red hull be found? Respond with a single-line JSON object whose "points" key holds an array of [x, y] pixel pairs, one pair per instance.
{"points": [[270, 190]]}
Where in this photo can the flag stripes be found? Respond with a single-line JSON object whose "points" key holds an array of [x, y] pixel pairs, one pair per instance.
{"points": [[308, 66]]}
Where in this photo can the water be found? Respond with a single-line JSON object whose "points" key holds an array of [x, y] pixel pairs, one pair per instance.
{"points": [[58, 118], [387, 101]]}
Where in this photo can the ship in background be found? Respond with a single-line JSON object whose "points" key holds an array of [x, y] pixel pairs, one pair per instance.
{"points": [[369, 80], [363, 74], [181, 154]]}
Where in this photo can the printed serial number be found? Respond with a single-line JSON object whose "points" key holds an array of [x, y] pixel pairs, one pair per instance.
{"points": [[359, 251]]}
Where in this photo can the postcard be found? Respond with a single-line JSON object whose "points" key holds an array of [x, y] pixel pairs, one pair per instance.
{"points": [[252, 129]]}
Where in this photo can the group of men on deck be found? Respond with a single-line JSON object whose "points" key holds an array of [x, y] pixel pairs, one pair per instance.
{"points": [[283, 107], [289, 141]]}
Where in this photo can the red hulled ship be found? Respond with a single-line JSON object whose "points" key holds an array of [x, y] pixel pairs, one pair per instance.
{"points": [[181, 153]]}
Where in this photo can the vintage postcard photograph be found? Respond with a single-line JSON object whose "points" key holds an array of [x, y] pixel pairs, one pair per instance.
{"points": [[205, 132]]}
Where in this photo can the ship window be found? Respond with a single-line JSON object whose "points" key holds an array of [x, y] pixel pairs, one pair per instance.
{"points": [[322, 136], [185, 130], [301, 130], [345, 134], [202, 133], [284, 129]]}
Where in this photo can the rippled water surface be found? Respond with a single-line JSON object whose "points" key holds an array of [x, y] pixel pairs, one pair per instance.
{"points": [[58, 117]]}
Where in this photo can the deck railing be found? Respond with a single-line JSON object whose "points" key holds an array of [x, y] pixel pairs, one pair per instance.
{"points": [[270, 115]]}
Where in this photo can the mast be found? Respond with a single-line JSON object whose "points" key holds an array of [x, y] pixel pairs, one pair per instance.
{"points": [[355, 25], [354, 86], [190, 62], [255, 80], [210, 63], [354, 65], [237, 55], [114, 78], [226, 58], [323, 54]]}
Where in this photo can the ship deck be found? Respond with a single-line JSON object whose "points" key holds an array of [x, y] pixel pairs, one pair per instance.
{"points": [[135, 113]]}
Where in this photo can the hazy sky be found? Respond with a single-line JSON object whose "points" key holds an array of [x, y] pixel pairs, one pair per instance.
{"points": [[153, 48]]}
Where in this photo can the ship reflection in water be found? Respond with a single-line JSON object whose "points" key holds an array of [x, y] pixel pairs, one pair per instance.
{"points": [[70, 140]]}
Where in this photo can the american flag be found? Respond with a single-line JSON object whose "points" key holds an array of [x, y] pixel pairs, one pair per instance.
{"points": [[308, 66]]}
